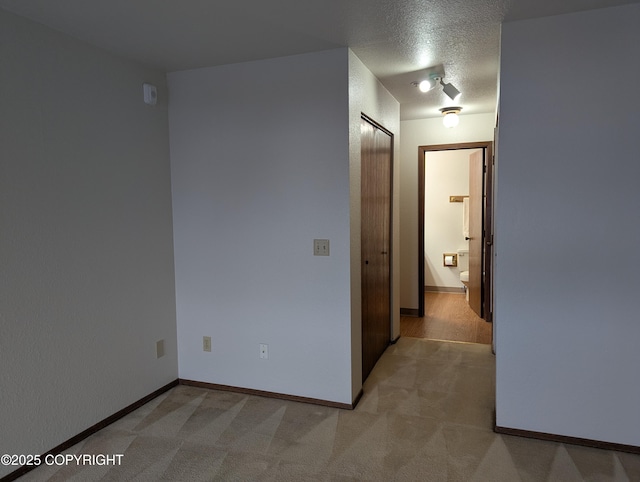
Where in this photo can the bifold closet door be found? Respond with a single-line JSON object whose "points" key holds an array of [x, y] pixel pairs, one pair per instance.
{"points": [[376, 163]]}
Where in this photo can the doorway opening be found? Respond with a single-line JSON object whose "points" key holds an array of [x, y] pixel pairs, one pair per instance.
{"points": [[454, 305]]}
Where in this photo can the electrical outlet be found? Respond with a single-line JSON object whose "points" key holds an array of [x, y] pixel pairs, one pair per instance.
{"points": [[264, 351], [206, 343], [159, 348]]}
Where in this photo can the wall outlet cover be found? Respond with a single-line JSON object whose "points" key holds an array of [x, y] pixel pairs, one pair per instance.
{"points": [[264, 351], [159, 348]]}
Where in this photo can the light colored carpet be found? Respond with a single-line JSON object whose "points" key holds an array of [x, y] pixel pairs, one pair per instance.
{"points": [[426, 415]]}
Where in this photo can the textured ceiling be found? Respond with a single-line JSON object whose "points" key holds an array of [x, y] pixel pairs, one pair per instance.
{"points": [[397, 39]]}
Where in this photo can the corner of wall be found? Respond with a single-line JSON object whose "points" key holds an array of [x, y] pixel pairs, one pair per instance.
{"points": [[368, 96]]}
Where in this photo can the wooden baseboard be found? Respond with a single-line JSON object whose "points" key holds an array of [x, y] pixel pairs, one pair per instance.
{"points": [[91, 430], [568, 440], [409, 312], [262, 393], [444, 289]]}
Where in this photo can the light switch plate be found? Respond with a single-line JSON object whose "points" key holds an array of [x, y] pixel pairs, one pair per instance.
{"points": [[321, 247]]}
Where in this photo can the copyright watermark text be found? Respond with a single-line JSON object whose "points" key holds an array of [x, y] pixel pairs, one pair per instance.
{"points": [[62, 459]]}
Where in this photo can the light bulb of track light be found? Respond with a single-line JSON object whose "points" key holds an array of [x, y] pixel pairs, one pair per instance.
{"points": [[425, 86]]}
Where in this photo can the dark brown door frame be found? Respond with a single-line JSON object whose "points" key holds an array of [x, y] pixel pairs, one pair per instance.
{"points": [[487, 221]]}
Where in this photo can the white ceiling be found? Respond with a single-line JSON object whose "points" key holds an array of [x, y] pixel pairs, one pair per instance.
{"points": [[396, 39]]}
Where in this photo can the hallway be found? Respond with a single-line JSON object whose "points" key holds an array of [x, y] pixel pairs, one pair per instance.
{"points": [[447, 317]]}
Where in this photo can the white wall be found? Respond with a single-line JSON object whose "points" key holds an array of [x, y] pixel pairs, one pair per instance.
{"points": [[566, 226], [368, 96], [446, 174], [260, 167], [424, 132], [86, 247]]}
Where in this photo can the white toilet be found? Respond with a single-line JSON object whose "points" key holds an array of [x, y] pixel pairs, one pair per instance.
{"points": [[463, 266]]}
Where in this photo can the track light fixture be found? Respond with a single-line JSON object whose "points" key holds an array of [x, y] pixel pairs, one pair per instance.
{"points": [[450, 90], [434, 79], [450, 118]]}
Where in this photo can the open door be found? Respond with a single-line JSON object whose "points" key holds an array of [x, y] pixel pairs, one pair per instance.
{"points": [[476, 178]]}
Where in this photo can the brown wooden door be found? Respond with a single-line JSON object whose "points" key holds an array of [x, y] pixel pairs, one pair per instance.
{"points": [[376, 246], [476, 177]]}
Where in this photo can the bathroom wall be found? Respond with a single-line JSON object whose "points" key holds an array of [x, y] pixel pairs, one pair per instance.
{"points": [[446, 174]]}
